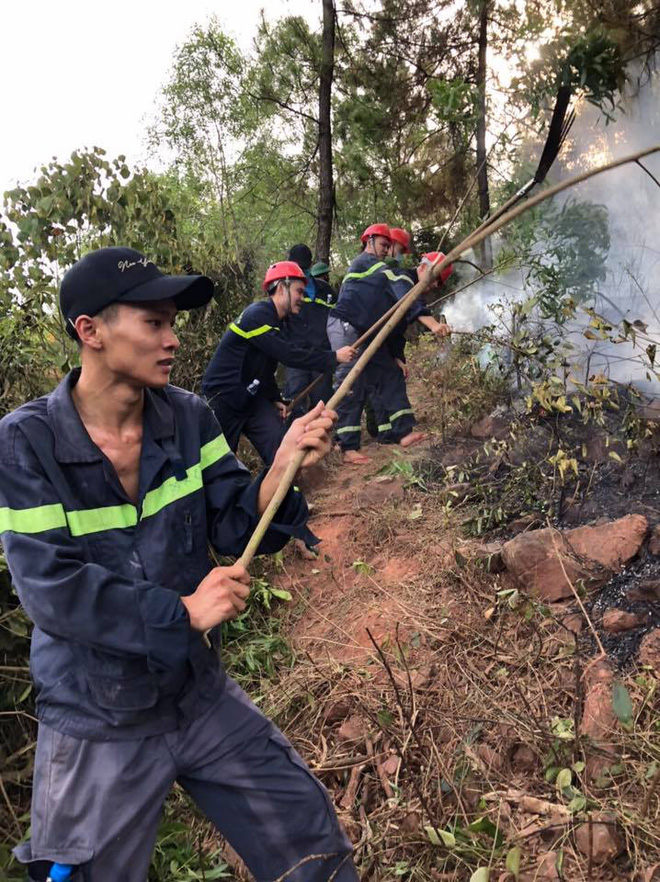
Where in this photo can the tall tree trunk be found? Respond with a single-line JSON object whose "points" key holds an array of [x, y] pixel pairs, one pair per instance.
{"points": [[482, 169], [326, 185]]}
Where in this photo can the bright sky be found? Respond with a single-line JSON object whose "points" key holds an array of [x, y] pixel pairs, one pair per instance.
{"points": [[83, 73]]}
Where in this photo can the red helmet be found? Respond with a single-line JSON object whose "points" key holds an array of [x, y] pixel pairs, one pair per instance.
{"points": [[284, 269], [436, 257], [376, 230], [402, 237]]}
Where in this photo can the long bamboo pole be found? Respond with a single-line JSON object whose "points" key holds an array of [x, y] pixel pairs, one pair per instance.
{"points": [[399, 311]]}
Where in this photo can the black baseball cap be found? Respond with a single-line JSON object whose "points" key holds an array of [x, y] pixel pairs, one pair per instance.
{"points": [[301, 255], [123, 275]]}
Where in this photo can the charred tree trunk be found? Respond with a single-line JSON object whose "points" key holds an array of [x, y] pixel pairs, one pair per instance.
{"points": [[482, 168], [326, 185]]}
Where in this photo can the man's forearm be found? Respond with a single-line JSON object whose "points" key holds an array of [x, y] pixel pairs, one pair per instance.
{"points": [[270, 484]]}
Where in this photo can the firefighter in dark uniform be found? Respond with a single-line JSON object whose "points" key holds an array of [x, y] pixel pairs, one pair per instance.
{"points": [[367, 293], [308, 329], [399, 247], [112, 489], [239, 382]]}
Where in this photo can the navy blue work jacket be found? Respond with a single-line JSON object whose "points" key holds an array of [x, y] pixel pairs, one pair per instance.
{"points": [[250, 349], [113, 655], [371, 287], [309, 327]]}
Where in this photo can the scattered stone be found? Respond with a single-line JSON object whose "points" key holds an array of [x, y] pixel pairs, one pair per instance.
{"points": [[456, 492], [487, 554], [649, 650], [647, 591], [353, 729], [522, 525], [338, 711], [588, 554], [598, 717], [411, 823], [488, 427], [603, 841], [524, 759], [615, 621], [574, 622], [385, 488], [490, 758], [654, 541], [544, 871]]}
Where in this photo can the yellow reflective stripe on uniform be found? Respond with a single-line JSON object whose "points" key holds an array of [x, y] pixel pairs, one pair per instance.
{"points": [[395, 416], [113, 517], [32, 520], [172, 489], [95, 520], [372, 269], [213, 451], [319, 301], [263, 329], [394, 278], [385, 427], [345, 429]]}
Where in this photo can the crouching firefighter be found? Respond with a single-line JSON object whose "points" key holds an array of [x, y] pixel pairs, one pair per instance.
{"points": [[308, 328], [110, 489], [239, 382], [366, 294]]}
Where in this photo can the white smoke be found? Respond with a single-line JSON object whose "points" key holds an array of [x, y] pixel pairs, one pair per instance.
{"points": [[631, 289]]}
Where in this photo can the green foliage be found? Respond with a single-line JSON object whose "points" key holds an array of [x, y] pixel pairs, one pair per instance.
{"points": [[178, 856], [590, 64]]}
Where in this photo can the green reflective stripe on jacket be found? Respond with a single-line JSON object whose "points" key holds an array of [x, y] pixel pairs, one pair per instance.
{"points": [[372, 269], [394, 278], [213, 451], [113, 517], [346, 429], [95, 520], [395, 416], [172, 489], [319, 301], [32, 520], [385, 427], [263, 329]]}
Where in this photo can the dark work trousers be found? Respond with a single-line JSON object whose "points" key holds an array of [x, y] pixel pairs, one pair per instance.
{"points": [[260, 423], [297, 379], [97, 804], [382, 381]]}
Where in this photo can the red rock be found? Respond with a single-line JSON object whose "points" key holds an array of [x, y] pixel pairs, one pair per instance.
{"points": [[598, 717], [615, 621], [490, 758], [487, 554], [411, 823], [647, 591], [589, 554], [544, 871], [490, 427], [521, 525], [603, 841], [385, 488], [649, 650], [524, 759], [654, 541], [353, 729], [338, 711], [456, 492]]}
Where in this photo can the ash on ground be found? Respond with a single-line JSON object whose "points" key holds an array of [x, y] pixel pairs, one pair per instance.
{"points": [[636, 590]]}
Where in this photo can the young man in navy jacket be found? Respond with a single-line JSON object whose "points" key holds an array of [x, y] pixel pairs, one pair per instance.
{"points": [[110, 489], [239, 382]]}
